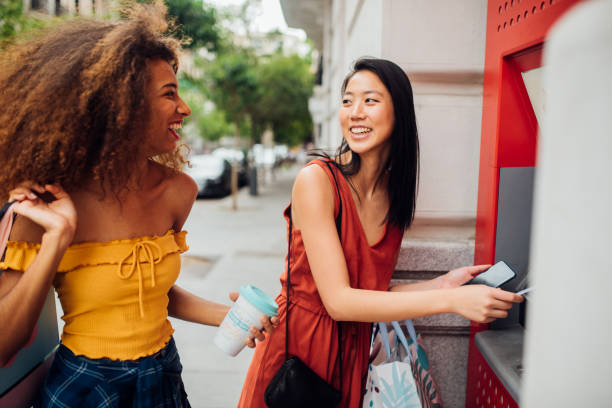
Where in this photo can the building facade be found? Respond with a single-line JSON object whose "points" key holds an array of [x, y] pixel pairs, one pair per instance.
{"points": [[98, 8]]}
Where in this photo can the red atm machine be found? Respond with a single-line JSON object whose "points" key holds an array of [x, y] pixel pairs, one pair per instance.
{"points": [[516, 30]]}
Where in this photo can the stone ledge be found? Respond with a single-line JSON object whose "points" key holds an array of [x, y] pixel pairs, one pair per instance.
{"points": [[429, 255], [448, 324]]}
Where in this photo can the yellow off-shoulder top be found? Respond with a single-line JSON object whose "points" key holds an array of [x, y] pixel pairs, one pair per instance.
{"points": [[114, 294]]}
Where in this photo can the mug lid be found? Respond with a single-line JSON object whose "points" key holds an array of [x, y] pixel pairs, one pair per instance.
{"points": [[260, 299]]}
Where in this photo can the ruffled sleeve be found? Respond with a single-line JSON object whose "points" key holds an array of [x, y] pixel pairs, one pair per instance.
{"points": [[181, 241], [19, 256]]}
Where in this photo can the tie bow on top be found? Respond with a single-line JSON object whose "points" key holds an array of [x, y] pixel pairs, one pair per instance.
{"points": [[153, 255]]}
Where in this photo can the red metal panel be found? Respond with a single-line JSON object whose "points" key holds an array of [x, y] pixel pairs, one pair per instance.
{"points": [[515, 34], [488, 391], [518, 128]]}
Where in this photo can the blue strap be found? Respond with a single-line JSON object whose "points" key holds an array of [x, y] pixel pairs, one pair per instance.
{"points": [[399, 334], [385, 338], [420, 352], [411, 330]]}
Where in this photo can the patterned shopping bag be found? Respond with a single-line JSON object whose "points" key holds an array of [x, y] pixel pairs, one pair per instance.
{"points": [[428, 390], [390, 384]]}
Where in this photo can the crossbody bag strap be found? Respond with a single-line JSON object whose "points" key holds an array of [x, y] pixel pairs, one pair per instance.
{"points": [[287, 286], [339, 229], [338, 221]]}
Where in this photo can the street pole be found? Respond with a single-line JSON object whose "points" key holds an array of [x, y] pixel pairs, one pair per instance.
{"points": [[235, 172]]}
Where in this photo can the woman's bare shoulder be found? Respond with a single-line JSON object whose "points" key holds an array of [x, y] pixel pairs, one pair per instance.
{"points": [[184, 185], [180, 195], [312, 177], [312, 193], [172, 182]]}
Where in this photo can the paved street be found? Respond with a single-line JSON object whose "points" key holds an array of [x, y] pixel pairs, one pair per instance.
{"points": [[229, 249]]}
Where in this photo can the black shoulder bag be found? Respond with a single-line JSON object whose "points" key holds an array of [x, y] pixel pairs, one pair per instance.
{"points": [[295, 385]]}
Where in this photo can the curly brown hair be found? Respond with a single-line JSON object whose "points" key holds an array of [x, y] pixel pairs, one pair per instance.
{"points": [[73, 100]]}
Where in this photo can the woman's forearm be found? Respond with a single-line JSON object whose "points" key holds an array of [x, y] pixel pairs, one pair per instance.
{"points": [[479, 303], [21, 305], [185, 305], [431, 284], [372, 306]]}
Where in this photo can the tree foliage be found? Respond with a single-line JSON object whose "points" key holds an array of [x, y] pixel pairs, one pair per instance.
{"points": [[14, 22], [285, 86], [233, 85], [213, 125], [196, 21], [266, 92], [11, 17]]}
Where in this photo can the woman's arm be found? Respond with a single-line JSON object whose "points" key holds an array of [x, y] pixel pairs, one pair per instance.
{"points": [[185, 305], [22, 295], [312, 205]]}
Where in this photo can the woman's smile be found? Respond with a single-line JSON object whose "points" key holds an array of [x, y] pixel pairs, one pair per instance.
{"points": [[360, 132], [174, 127]]}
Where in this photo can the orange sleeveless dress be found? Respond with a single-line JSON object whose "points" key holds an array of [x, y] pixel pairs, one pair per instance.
{"points": [[312, 332]]}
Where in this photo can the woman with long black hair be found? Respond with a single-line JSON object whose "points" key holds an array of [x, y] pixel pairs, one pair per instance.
{"points": [[346, 220]]}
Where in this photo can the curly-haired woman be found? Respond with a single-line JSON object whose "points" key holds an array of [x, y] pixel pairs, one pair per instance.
{"points": [[90, 117]]}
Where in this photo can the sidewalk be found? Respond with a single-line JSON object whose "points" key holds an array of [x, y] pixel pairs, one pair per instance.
{"points": [[229, 249]]}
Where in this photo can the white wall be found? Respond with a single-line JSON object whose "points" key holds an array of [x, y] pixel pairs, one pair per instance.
{"points": [[442, 35], [441, 46], [363, 26]]}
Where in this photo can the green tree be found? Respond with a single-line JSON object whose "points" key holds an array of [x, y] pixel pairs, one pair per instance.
{"points": [[197, 21], [285, 85], [13, 21], [214, 125], [233, 85], [11, 17]]}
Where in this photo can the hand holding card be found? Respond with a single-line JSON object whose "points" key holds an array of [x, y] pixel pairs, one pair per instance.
{"points": [[495, 276]]}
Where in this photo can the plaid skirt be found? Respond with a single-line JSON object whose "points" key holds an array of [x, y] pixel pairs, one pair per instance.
{"points": [[77, 381]]}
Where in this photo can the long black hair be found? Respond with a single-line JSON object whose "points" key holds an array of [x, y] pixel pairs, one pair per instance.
{"points": [[403, 160]]}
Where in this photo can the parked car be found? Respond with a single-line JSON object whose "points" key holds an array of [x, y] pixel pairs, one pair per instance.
{"points": [[212, 174], [238, 157]]}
